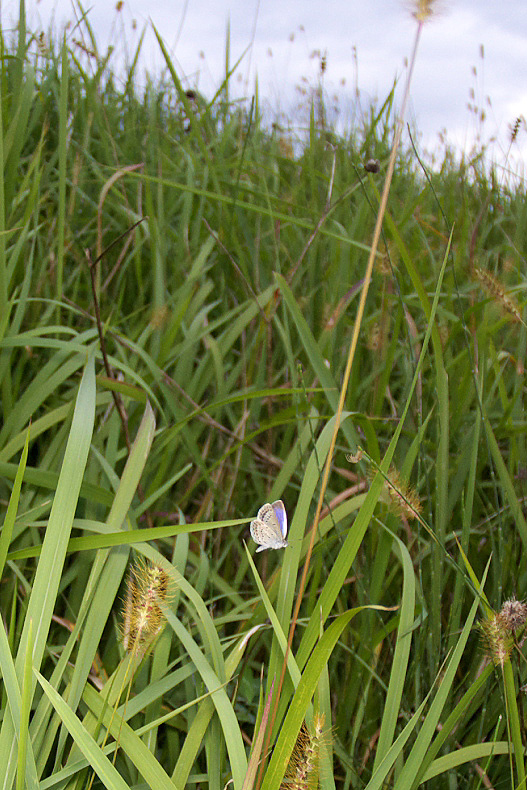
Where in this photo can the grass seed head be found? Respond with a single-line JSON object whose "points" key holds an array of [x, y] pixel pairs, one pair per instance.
{"points": [[402, 498], [515, 128], [374, 339], [147, 589], [495, 288], [160, 316], [304, 761], [423, 10], [497, 638], [513, 614]]}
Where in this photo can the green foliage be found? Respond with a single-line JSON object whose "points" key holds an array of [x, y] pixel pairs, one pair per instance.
{"points": [[228, 260]]}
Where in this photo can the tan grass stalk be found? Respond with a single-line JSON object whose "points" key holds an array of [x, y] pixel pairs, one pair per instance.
{"points": [[360, 312], [422, 13]]}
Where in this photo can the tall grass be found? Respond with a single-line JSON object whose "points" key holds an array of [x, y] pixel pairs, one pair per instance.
{"points": [[179, 285]]}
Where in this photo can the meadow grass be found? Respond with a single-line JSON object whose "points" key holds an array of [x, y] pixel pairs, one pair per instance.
{"points": [[179, 288]]}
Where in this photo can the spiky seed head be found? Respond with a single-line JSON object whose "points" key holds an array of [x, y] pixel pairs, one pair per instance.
{"points": [[497, 638], [147, 589], [402, 498], [513, 614], [497, 290], [304, 761]]}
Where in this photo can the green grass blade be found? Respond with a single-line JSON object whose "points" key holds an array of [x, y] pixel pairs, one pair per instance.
{"points": [[98, 761], [300, 702], [401, 656], [10, 516], [229, 722], [47, 577]]}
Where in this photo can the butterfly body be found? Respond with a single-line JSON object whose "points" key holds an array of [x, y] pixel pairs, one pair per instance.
{"points": [[269, 528]]}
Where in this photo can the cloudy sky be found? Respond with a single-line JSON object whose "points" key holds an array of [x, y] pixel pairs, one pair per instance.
{"points": [[473, 53]]}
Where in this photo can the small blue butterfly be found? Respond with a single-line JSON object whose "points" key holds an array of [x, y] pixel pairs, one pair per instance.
{"points": [[269, 528]]}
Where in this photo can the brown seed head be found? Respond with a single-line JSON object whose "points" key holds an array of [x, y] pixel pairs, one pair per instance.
{"points": [[513, 614]]}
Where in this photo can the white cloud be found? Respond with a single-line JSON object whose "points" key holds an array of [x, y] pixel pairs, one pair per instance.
{"points": [[381, 30]]}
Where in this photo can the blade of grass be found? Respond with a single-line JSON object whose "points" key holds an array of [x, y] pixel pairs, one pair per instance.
{"points": [[48, 574]]}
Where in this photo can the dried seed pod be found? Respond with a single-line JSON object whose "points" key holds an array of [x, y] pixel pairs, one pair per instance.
{"points": [[372, 166]]}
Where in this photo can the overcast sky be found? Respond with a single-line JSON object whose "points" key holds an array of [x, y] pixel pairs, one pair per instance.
{"points": [[282, 35]]}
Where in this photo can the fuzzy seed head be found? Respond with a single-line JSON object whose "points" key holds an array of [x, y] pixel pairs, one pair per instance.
{"points": [[402, 498], [375, 338], [387, 260], [304, 762], [147, 589], [495, 288], [513, 614], [497, 638], [285, 147], [159, 316], [82, 46], [42, 45]]}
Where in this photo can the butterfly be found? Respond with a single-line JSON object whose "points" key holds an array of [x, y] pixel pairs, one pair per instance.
{"points": [[269, 528]]}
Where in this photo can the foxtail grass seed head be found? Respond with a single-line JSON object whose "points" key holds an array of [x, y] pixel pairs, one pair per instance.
{"points": [[497, 638], [285, 147], [403, 497], [159, 317], [147, 589], [42, 45], [304, 761], [495, 289], [82, 46], [387, 261], [399, 495], [375, 337]]}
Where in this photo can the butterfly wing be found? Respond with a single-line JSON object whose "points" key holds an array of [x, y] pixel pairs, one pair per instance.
{"points": [[269, 528], [281, 515], [260, 534]]}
